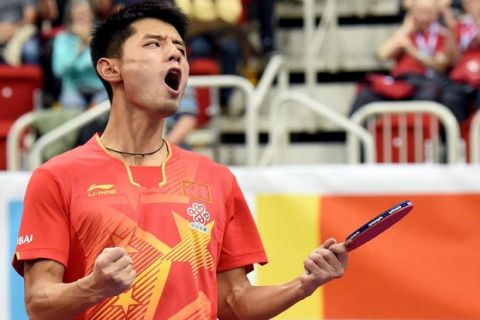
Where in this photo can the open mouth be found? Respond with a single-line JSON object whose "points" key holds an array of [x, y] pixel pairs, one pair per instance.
{"points": [[172, 79]]}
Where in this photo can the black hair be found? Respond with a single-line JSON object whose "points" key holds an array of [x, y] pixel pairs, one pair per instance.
{"points": [[110, 35]]}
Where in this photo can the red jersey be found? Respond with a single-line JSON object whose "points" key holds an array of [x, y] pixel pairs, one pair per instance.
{"points": [[429, 43], [180, 229], [467, 68], [466, 35]]}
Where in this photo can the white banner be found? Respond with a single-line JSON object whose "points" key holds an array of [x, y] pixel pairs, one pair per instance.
{"points": [[333, 180]]}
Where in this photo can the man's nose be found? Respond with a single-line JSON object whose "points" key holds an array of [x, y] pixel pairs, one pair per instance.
{"points": [[175, 57], [174, 54]]}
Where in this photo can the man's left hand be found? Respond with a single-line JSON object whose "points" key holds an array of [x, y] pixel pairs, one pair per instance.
{"points": [[327, 262]]}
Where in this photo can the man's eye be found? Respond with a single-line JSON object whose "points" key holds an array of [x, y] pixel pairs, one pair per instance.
{"points": [[152, 45], [182, 50]]}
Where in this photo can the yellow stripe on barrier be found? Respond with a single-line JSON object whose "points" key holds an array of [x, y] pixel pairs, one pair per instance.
{"points": [[290, 230]]}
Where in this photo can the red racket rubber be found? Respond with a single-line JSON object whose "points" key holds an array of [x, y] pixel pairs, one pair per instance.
{"points": [[377, 225]]}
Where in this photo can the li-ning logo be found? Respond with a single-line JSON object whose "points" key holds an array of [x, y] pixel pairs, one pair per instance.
{"points": [[200, 216], [101, 190]]}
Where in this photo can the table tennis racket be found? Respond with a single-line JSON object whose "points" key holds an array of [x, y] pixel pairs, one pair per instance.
{"points": [[377, 225]]}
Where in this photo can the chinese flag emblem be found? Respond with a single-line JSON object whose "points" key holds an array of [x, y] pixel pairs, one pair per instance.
{"points": [[196, 190]]}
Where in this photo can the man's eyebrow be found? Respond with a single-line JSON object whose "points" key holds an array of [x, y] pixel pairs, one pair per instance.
{"points": [[163, 37], [180, 42]]}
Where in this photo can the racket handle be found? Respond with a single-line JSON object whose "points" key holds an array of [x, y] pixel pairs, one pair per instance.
{"points": [[347, 244]]}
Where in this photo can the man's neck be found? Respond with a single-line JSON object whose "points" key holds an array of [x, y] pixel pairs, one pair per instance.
{"points": [[136, 132]]}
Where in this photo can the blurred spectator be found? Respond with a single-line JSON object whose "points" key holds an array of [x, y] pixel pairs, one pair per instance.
{"points": [[214, 33], [71, 60], [419, 50], [51, 14], [18, 41], [51, 18], [102, 8], [184, 120], [266, 19], [463, 89]]}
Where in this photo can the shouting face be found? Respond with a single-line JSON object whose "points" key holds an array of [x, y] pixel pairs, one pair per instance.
{"points": [[154, 67]]}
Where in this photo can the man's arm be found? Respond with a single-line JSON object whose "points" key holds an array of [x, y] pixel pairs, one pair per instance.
{"points": [[238, 299], [452, 50], [185, 124], [29, 15], [393, 46], [47, 297], [438, 62]]}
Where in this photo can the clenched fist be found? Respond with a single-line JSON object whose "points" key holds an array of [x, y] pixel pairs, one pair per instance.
{"points": [[112, 273]]}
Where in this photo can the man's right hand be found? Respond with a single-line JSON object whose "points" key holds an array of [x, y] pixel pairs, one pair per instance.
{"points": [[112, 274]]}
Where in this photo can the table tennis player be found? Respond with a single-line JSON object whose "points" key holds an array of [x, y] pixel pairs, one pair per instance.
{"points": [[129, 226]]}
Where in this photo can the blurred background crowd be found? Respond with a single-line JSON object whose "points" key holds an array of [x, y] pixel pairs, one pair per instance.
{"points": [[433, 53], [53, 36]]}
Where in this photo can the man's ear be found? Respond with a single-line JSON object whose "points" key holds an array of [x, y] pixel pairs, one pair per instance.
{"points": [[109, 70]]}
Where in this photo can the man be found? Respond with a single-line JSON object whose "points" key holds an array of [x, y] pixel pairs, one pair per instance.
{"points": [[419, 51], [18, 42], [131, 227], [462, 92], [71, 63]]}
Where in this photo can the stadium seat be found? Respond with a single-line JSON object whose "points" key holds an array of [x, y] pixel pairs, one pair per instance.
{"points": [[396, 141], [19, 87]]}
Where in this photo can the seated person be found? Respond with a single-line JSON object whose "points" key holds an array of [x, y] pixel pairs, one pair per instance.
{"points": [[419, 50], [463, 89], [71, 60], [18, 35], [184, 120]]}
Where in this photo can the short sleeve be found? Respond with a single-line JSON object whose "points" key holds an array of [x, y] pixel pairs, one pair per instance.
{"points": [[44, 229], [242, 246]]}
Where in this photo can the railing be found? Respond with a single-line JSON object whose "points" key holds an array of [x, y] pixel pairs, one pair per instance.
{"points": [[314, 37], [21, 137], [279, 126], [450, 125], [254, 100], [13, 139], [224, 81], [35, 157], [475, 138], [276, 66]]}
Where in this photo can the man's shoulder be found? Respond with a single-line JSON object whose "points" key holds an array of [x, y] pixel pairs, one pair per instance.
{"points": [[205, 162], [84, 155]]}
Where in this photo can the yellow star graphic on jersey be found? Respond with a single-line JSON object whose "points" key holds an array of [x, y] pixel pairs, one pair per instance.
{"points": [[154, 260], [126, 300], [119, 241], [193, 247]]}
